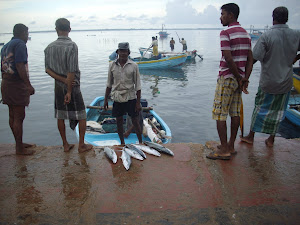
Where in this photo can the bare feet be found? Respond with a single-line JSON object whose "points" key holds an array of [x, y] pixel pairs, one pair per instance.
{"points": [[68, 147], [25, 151], [126, 134], [84, 148], [269, 143], [25, 145], [248, 139]]}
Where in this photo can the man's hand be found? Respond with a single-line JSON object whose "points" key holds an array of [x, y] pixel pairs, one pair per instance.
{"points": [[67, 98], [244, 85], [105, 104], [31, 90], [138, 107]]}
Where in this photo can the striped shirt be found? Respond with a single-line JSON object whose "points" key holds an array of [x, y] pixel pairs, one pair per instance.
{"points": [[235, 39], [61, 56]]}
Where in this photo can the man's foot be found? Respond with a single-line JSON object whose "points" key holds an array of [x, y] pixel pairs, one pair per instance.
{"points": [[269, 143], [126, 135], [68, 147], [25, 151], [248, 139], [84, 148], [25, 145]]}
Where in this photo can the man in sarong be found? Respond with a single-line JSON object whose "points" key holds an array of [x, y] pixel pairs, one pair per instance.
{"points": [[124, 85], [155, 47], [235, 68], [16, 87], [61, 63], [184, 46], [276, 50]]}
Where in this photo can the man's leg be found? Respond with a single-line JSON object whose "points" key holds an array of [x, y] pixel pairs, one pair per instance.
{"points": [[120, 129], [235, 123], [16, 118], [82, 147], [222, 132], [62, 131], [137, 128]]}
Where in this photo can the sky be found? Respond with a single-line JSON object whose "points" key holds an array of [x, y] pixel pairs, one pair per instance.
{"points": [[40, 15]]}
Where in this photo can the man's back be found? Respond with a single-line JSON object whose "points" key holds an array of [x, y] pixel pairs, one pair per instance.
{"points": [[61, 56], [276, 50]]}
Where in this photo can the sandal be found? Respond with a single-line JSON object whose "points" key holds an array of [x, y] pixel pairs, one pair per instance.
{"points": [[215, 156]]}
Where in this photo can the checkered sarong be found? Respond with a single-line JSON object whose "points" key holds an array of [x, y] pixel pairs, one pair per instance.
{"points": [[73, 111], [268, 111], [228, 99]]}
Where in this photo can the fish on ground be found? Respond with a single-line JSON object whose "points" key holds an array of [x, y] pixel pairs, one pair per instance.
{"points": [[147, 149], [159, 148], [130, 146], [133, 154], [126, 160], [110, 153]]}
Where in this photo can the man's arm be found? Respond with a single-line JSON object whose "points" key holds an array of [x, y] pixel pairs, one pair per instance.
{"points": [[248, 70], [56, 76], [21, 68], [231, 64], [107, 92], [69, 81]]}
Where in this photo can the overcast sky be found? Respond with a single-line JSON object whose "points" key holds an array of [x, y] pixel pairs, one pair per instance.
{"points": [[40, 15]]}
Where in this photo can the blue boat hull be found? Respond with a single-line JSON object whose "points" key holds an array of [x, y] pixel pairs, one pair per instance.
{"points": [[109, 139], [163, 63], [291, 114]]}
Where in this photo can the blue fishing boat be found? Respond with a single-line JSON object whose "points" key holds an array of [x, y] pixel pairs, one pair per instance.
{"points": [[162, 63], [293, 110], [105, 131], [296, 78], [189, 54]]}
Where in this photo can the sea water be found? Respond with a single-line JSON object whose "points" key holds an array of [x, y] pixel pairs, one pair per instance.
{"points": [[183, 98]]}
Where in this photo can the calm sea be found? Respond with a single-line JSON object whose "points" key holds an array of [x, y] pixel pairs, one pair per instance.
{"points": [[183, 98]]}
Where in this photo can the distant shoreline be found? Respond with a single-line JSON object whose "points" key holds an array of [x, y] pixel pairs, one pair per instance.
{"points": [[129, 29], [132, 29]]}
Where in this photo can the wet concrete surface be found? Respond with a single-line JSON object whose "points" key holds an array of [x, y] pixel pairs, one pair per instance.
{"points": [[259, 185]]}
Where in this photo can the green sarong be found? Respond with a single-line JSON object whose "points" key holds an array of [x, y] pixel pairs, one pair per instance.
{"points": [[268, 111]]}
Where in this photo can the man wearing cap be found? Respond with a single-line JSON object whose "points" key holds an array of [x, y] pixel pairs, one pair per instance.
{"points": [[61, 63], [124, 84]]}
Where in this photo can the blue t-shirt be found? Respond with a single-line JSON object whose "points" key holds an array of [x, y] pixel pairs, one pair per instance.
{"points": [[15, 51]]}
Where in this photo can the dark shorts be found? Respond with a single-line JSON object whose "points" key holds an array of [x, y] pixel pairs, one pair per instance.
{"points": [[120, 109], [14, 92]]}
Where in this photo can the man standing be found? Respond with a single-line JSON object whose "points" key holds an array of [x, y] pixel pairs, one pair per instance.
{"points": [[184, 46], [155, 47], [235, 68], [61, 63], [16, 87], [124, 84], [172, 43], [276, 49]]}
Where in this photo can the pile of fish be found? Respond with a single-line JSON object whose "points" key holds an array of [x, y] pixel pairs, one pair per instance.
{"points": [[136, 151]]}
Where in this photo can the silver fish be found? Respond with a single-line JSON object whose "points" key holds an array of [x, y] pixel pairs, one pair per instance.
{"points": [[126, 160], [147, 149], [133, 154], [110, 153], [131, 146], [159, 148]]}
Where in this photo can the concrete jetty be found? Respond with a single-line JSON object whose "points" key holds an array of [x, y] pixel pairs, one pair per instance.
{"points": [[259, 185]]}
